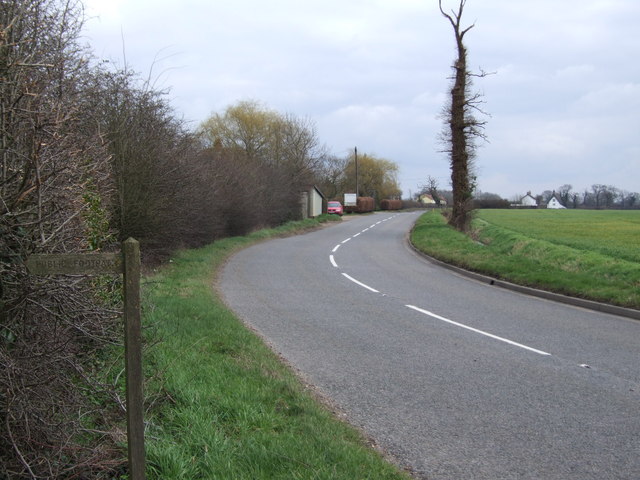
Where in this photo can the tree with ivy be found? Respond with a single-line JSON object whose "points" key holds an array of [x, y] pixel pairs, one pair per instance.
{"points": [[462, 127]]}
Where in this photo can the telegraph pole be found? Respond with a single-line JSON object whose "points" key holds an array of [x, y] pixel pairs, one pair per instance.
{"points": [[356, 157]]}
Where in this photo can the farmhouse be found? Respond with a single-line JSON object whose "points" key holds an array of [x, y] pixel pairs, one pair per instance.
{"points": [[526, 202], [427, 199], [555, 203]]}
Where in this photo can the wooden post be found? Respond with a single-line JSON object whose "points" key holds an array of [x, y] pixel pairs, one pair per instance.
{"points": [[128, 264], [133, 358]]}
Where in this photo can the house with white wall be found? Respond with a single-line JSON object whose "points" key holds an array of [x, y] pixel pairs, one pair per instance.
{"points": [[528, 201], [554, 203]]}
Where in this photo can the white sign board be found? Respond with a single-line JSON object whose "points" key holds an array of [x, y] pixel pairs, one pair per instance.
{"points": [[350, 200]]}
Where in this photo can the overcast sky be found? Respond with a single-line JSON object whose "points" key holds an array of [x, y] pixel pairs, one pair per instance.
{"points": [[564, 101]]}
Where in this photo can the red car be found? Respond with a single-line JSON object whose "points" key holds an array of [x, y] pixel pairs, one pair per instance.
{"points": [[335, 208]]}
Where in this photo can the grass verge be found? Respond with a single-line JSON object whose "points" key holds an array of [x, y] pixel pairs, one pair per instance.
{"points": [[223, 406], [569, 264]]}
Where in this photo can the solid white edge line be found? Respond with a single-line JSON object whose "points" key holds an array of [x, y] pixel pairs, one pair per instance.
{"points": [[495, 337], [360, 283], [335, 249], [333, 262]]}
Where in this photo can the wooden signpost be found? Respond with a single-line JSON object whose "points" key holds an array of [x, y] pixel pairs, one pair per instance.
{"points": [[127, 263]]}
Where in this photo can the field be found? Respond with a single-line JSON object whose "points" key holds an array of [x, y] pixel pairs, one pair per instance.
{"points": [[587, 254], [614, 233]]}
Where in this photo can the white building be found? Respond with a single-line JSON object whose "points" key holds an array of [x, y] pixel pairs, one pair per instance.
{"points": [[312, 202], [555, 204], [527, 201]]}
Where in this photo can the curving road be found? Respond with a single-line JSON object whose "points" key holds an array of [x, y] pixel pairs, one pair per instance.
{"points": [[455, 378]]}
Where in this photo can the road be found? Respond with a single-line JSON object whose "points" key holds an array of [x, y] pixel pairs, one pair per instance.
{"points": [[454, 378]]}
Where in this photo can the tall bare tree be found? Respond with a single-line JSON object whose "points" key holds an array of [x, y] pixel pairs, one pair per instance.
{"points": [[462, 127]]}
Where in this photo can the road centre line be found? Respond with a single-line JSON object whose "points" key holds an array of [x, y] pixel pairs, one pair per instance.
{"points": [[428, 313], [360, 283], [495, 337]]}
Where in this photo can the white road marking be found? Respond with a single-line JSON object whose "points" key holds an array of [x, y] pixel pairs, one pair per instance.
{"points": [[335, 249], [360, 283], [345, 241], [333, 262], [495, 337], [357, 235]]}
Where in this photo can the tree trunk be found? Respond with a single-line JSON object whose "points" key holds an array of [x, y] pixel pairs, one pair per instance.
{"points": [[460, 180], [462, 127]]}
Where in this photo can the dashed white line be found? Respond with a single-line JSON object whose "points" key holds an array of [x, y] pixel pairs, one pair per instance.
{"points": [[335, 249], [345, 241], [495, 337], [333, 261], [357, 235], [360, 283]]}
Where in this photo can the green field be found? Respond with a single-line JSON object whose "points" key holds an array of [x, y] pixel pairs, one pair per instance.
{"points": [[614, 233], [588, 254]]}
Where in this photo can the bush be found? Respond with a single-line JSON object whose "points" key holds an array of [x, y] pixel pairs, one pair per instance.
{"points": [[363, 205], [388, 204]]}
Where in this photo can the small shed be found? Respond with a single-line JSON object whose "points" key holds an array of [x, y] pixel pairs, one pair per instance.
{"points": [[312, 202]]}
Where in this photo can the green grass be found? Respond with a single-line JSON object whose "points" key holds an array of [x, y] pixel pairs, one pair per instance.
{"points": [[587, 254], [614, 233], [223, 406]]}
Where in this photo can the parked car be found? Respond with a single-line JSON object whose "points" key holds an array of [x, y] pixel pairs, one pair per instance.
{"points": [[335, 208]]}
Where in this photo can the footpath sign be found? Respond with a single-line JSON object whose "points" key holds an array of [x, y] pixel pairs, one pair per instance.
{"points": [[126, 263]]}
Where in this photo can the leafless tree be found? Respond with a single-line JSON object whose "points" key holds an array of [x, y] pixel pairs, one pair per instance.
{"points": [[564, 194], [431, 187], [331, 176], [462, 127], [598, 194]]}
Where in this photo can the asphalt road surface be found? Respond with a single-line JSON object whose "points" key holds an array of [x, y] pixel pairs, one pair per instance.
{"points": [[454, 378]]}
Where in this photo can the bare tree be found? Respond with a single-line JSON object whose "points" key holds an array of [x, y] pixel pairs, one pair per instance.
{"points": [[431, 187], [331, 175], [564, 192], [575, 199], [462, 128], [598, 194]]}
